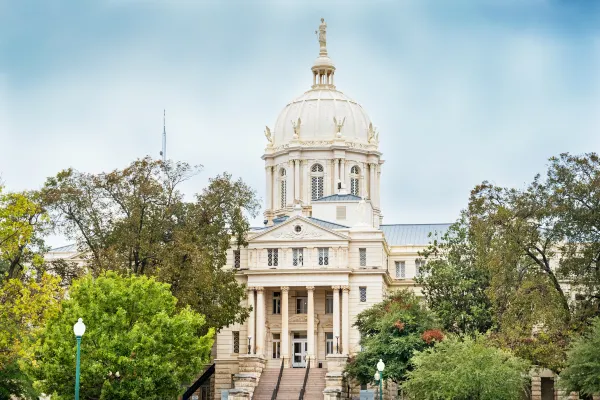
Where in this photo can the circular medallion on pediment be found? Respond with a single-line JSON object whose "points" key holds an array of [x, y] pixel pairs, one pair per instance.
{"points": [[298, 228]]}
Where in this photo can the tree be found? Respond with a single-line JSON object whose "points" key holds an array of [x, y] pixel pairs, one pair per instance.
{"points": [[582, 372], [23, 223], [454, 284], [135, 220], [392, 330], [25, 306], [466, 368], [133, 328]]}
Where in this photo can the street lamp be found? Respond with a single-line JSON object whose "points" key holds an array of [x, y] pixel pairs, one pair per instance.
{"points": [[79, 330], [379, 377], [249, 345]]}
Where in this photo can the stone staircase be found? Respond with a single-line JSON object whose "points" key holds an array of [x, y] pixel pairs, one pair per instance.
{"points": [[291, 383]]}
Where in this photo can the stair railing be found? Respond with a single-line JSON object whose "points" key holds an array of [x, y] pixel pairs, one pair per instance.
{"points": [[274, 395], [305, 379]]}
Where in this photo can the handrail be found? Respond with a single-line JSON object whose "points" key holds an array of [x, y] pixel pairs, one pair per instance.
{"points": [[274, 395], [304, 384], [209, 371]]}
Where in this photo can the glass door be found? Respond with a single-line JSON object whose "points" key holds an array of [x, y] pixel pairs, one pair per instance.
{"points": [[299, 350]]}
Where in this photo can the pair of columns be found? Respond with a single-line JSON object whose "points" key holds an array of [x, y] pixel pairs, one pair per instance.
{"points": [[257, 320]]}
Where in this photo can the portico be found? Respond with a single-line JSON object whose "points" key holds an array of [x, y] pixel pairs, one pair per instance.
{"points": [[299, 324]]}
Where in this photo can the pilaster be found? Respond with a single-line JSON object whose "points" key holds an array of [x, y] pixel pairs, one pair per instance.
{"points": [[345, 320]]}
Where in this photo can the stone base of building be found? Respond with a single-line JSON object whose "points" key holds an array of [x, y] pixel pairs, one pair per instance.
{"points": [[334, 379], [246, 380]]}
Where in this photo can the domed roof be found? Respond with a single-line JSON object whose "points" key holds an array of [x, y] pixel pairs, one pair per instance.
{"points": [[322, 113], [317, 109]]}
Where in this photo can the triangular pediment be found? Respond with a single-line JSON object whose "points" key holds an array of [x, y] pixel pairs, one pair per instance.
{"points": [[298, 228]]}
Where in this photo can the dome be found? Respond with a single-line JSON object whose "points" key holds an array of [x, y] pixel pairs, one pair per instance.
{"points": [[317, 109]]}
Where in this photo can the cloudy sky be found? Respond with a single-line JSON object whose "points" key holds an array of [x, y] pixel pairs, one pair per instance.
{"points": [[479, 90]]}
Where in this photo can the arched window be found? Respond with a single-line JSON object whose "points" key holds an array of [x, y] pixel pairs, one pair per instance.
{"points": [[355, 181], [282, 187], [316, 180]]}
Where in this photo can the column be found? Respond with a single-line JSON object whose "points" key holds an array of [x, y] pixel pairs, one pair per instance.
{"points": [[290, 184], [269, 196], [336, 318], [345, 321], [297, 195], [336, 175], [377, 181], [363, 180], [285, 334], [372, 183], [343, 171], [260, 321], [310, 323], [251, 320]]}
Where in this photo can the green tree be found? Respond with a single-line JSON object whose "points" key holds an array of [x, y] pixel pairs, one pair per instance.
{"points": [[454, 284], [466, 369], [582, 372], [25, 307], [135, 220], [133, 328], [392, 330]]}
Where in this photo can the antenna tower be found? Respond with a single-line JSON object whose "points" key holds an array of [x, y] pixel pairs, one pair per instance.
{"points": [[163, 152]]}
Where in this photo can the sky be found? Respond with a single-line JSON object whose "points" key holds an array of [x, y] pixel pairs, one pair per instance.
{"points": [[461, 91]]}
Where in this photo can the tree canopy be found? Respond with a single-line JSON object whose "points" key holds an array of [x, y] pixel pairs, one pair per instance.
{"points": [[133, 327], [392, 330], [466, 368], [136, 220], [582, 371]]}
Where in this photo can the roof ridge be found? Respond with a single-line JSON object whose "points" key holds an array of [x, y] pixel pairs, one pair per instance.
{"points": [[329, 222]]}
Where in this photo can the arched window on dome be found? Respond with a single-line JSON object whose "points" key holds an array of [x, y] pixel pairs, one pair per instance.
{"points": [[355, 181], [282, 187], [316, 181]]}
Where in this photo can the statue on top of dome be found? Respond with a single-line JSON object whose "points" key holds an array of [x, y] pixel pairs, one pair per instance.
{"points": [[339, 124], [373, 135], [322, 32], [296, 126], [268, 135]]}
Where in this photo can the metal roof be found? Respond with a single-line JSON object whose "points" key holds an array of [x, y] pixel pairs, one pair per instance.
{"points": [[327, 224], [339, 197], [412, 234], [70, 248]]}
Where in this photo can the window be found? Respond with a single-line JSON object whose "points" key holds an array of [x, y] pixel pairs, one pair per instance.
{"points": [[277, 345], [362, 257], [297, 257], [363, 293], [316, 181], [236, 341], [355, 181], [236, 259], [276, 302], [323, 256], [419, 264], [329, 303], [272, 257], [301, 305], [400, 269], [340, 212], [283, 187], [329, 343]]}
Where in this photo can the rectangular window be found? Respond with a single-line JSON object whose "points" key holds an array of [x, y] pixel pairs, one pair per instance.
{"points": [[301, 305], [329, 343], [236, 342], [363, 293], [236, 259], [297, 257], [272, 257], [400, 269], [340, 212], [329, 303], [362, 257], [276, 302], [277, 345], [323, 256], [419, 264]]}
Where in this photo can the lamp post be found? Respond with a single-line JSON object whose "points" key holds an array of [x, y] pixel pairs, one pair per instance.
{"points": [[337, 345], [79, 330], [379, 377], [249, 345]]}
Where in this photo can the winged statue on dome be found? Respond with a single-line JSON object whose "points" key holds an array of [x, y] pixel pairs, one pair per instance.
{"points": [[373, 135], [339, 124], [268, 135], [296, 126]]}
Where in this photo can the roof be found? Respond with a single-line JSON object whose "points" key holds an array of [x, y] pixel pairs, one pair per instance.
{"points": [[412, 234], [327, 224], [70, 248], [339, 197]]}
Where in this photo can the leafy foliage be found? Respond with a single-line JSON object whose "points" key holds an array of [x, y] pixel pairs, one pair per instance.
{"points": [[134, 328], [466, 368], [24, 309], [391, 330], [135, 220], [582, 372]]}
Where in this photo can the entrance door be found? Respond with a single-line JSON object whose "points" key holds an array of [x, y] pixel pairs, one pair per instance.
{"points": [[299, 349]]}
